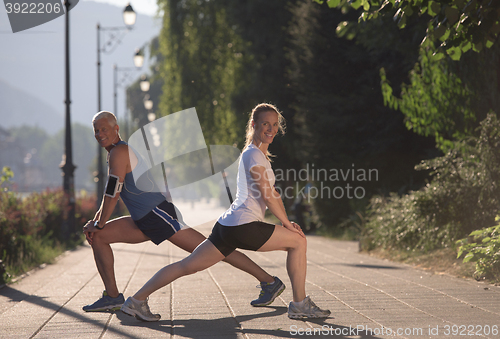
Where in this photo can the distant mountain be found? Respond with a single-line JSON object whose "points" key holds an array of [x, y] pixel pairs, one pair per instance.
{"points": [[16, 103], [32, 62]]}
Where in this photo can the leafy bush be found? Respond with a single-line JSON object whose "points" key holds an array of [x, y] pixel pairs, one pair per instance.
{"points": [[483, 248], [30, 229], [463, 196]]}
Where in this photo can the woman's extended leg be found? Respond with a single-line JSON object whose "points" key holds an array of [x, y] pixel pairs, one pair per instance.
{"points": [[188, 239], [204, 256], [296, 261]]}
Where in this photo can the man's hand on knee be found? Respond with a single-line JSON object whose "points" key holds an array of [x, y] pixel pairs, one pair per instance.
{"points": [[89, 230]]}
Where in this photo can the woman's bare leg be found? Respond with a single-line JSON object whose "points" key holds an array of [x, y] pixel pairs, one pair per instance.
{"points": [[296, 261], [189, 238], [204, 256]]}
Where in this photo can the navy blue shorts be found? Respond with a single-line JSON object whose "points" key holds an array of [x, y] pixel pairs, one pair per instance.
{"points": [[249, 236], [161, 223]]}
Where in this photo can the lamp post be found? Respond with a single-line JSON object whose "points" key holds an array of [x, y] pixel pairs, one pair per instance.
{"points": [[68, 226], [127, 74], [116, 34]]}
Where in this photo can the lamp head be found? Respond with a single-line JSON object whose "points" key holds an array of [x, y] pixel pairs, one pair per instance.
{"points": [[129, 16], [138, 58]]}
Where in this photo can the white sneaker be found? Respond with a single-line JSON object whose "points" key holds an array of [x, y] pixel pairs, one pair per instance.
{"points": [[139, 309], [306, 309]]}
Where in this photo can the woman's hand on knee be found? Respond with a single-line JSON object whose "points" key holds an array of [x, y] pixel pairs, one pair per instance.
{"points": [[294, 228]]}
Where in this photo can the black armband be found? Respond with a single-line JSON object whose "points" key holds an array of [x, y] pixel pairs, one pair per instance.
{"points": [[113, 186]]}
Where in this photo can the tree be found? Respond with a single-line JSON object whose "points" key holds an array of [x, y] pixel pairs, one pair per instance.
{"points": [[327, 87], [446, 97], [201, 54], [457, 25], [341, 118]]}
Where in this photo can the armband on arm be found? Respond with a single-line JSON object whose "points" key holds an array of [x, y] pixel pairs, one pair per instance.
{"points": [[113, 186]]}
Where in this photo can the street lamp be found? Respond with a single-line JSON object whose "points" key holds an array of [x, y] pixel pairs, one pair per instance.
{"points": [[67, 166], [118, 82], [138, 58], [115, 37], [129, 16], [148, 103], [151, 116], [144, 84]]}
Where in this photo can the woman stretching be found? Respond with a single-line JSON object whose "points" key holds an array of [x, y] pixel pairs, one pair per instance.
{"points": [[242, 226]]}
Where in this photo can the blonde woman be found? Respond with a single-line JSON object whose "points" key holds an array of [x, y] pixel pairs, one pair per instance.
{"points": [[242, 225]]}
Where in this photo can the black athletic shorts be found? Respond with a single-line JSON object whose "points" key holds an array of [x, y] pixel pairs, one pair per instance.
{"points": [[249, 236], [161, 223]]}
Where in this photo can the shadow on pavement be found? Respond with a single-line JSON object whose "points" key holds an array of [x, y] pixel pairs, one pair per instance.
{"points": [[373, 266], [18, 296], [229, 327]]}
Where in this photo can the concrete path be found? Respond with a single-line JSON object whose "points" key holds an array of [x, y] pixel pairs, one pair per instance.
{"points": [[368, 297]]}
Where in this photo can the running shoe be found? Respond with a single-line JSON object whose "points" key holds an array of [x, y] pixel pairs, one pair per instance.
{"points": [[269, 292], [105, 303], [139, 309], [306, 309]]}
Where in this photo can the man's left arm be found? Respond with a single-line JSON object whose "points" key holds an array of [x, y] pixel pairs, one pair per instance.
{"points": [[118, 163]]}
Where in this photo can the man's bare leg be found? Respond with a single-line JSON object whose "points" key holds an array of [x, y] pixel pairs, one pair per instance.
{"points": [[117, 230]]}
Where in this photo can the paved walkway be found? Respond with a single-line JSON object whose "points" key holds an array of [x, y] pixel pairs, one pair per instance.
{"points": [[368, 297]]}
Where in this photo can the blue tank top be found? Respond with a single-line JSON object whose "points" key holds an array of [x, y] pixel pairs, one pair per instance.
{"points": [[140, 202]]}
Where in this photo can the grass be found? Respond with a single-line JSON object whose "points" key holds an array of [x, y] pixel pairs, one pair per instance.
{"points": [[41, 251], [44, 255], [439, 261]]}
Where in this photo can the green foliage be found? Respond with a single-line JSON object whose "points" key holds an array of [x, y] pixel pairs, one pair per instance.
{"points": [[7, 174], [444, 98], [435, 103], [201, 54], [341, 120], [30, 228], [224, 57], [328, 88], [457, 25], [463, 195], [483, 247]]}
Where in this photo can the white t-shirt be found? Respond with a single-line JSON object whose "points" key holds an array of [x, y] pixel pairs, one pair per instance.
{"points": [[249, 205]]}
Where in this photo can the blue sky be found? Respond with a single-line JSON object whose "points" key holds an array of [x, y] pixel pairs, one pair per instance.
{"points": [[148, 7]]}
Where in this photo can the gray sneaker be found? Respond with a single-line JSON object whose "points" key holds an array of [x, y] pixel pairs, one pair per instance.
{"points": [[105, 303], [139, 309], [269, 292], [307, 310]]}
